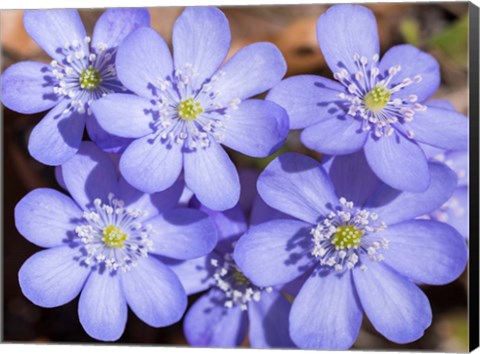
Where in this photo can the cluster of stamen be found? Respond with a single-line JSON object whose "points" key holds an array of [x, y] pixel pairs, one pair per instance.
{"points": [[377, 99], [345, 234], [90, 79], [113, 235], [189, 109], [188, 112], [238, 290], [370, 96], [85, 74]]}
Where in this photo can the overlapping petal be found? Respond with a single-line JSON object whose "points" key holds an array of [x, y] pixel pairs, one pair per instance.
{"points": [[459, 162], [262, 212], [136, 73], [399, 162], [339, 135], [441, 128], [125, 115], [194, 274], [274, 252], [209, 323], [258, 128], [90, 174], [154, 293], [46, 217], [154, 203], [298, 186], [57, 137], [104, 140], [27, 87], [456, 212], [308, 99], [151, 165], [230, 225], [115, 24], [183, 234], [212, 176], [353, 178], [268, 321], [394, 206]]}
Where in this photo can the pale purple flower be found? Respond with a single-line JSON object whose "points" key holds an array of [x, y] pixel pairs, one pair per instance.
{"points": [[356, 245], [190, 104], [377, 104], [455, 210], [81, 71], [104, 243]]}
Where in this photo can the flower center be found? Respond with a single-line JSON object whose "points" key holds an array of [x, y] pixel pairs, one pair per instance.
{"points": [[113, 236], [90, 79], [84, 74], [189, 109], [347, 236], [377, 99], [240, 278], [238, 289]]}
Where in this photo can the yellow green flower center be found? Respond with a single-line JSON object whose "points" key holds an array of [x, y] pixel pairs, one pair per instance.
{"points": [[189, 109], [240, 278], [114, 237], [347, 236], [377, 98], [90, 79]]}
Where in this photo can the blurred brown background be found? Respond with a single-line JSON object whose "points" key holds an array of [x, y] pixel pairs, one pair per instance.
{"points": [[438, 28]]}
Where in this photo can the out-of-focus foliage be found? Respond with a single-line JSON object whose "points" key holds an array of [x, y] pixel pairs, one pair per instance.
{"points": [[410, 31], [453, 42]]}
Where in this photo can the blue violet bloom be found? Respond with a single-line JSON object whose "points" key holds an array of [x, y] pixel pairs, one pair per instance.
{"points": [[455, 210], [104, 243], [358, 246], [233, 303], [82, 70], [376, 104], [187, 105]]}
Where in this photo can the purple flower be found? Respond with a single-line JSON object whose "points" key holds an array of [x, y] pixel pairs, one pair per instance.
{"points": [[103, 243], [82, 70], [455, 210], [233, 303], [376, 104], [356, 243], [188, 105]]}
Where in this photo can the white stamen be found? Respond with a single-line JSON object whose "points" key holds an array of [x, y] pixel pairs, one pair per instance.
{"points": [[397, 110], [238, 290], [115, 239], [345, 234]]}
